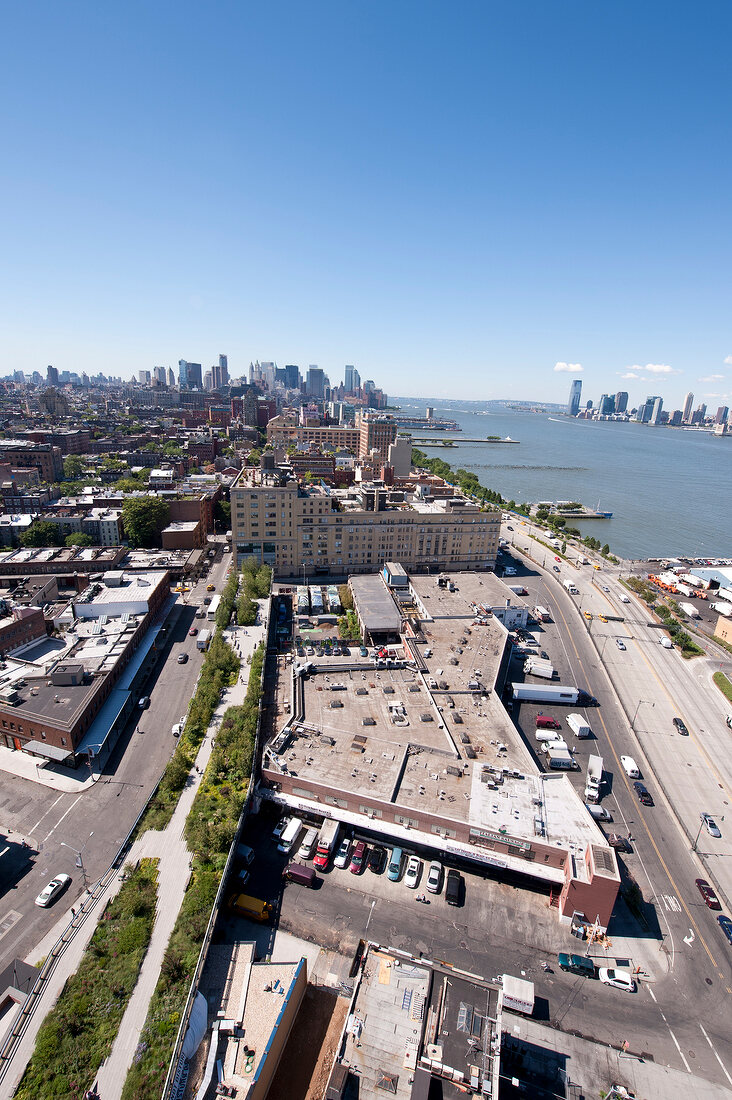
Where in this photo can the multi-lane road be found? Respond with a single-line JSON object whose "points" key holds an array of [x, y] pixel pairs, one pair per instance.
{"points": [[94, 819]]}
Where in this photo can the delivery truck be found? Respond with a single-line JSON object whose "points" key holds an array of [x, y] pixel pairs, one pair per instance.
{"points": [[578, 725], [690, 610], [593, 782], [536, 667], [571, 586], [327, 841], [518, 994], [203, 639], [560, 759], [545, 693]]}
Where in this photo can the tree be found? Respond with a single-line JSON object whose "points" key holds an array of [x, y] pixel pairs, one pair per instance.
{"points": [[73, 467], [41, 533], [144, 520], [79, 538], [222, 515]]}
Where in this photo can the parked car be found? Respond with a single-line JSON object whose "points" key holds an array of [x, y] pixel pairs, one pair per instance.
{"points": [[726, 925], [711, 825], [280, 828], [707, 892], [144, 702], [377, 859], [343, 854], [363, 651], [413, 872], [619, 979], [681, 727], [577, 964], [182, 658], [620, 643], [50, 892], [619, 843], [453, 887], [358, 858], [555, 568], [644, 795], [396, 860], [434, 877], [210, 587], [192, 632]]}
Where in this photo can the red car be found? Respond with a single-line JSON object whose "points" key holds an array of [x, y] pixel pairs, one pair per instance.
{"points": [[358, 859], [193, 631], [707, 893]]}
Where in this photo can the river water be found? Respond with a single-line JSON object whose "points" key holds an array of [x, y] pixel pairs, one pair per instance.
{"points": [[668, 489]]}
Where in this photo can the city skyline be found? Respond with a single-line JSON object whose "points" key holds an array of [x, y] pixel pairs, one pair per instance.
{"points": [[333, 201]]}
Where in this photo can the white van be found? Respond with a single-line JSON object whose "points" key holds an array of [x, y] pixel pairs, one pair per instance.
{"points": [[546, 735], [630, 767], [307, 848], [667, 643], [290, 836], [556, 743]]}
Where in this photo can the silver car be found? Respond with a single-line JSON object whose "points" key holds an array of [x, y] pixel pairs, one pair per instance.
{"points": [[711, 825], [434, 877]]}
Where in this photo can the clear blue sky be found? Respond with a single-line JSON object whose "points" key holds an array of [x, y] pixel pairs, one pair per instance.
{"points": [[452, 197]]}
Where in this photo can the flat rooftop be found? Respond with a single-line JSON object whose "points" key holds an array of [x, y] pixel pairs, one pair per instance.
{"points": [[433, 734]]}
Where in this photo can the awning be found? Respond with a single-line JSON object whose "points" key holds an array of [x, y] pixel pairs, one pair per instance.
{"points": [[50, 752]]}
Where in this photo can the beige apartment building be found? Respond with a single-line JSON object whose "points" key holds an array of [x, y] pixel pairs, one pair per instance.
{"points": [[320, 531], [282, 433]]}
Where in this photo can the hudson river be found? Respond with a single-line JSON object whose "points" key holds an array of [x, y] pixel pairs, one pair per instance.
{"points": [[668, 489]]}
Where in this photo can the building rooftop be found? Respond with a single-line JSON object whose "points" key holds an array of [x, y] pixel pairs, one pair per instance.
{"points": [[375, 605]]}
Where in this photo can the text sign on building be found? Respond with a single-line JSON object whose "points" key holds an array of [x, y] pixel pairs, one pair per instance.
{"points": [[482, 835]]}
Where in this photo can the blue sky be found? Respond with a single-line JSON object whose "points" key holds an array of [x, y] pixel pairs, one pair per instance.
{"points": [[453, 197]]}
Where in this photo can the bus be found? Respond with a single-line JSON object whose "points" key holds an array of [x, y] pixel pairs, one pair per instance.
{"points": [[213, 608]]}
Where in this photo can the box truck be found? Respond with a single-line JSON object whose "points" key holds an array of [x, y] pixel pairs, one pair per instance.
{"points": [[690, 610], [594, 779], [545, 693], [327, 842], [722, 608], [542, 614], [203, 639], [535, 667], [560, 759], [578, 725], [571, 587]]}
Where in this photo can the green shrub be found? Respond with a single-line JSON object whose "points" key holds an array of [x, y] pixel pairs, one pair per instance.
{"points": [[78, 1033]]}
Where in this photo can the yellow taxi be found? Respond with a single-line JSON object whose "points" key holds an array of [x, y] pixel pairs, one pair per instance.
{"points": [[588, 614], [598, 567], [210, 587], [603, 619]]}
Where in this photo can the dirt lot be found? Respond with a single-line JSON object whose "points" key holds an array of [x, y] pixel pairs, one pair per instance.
{"points": [[308, 1057]]}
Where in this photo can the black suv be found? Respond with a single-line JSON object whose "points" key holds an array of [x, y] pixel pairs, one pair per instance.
{"points": [[680, 726], [644, 795]]}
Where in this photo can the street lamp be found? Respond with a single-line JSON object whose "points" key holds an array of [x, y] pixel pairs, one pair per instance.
{"points": [[696, 838], [79, 854], [632, 721]]}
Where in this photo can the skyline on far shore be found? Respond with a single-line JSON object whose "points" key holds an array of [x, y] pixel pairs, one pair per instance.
{"points": [[452, 199]]}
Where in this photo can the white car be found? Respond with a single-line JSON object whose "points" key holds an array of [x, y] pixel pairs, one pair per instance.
{"points": [[51, 892], [619, 979], [434, 877], [620, 643], [711, 825], [625, 599], [413, 872], [343, 855], [280, 828]]}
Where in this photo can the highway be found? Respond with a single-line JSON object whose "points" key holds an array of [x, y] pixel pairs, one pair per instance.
{"points": [[95, 819]]}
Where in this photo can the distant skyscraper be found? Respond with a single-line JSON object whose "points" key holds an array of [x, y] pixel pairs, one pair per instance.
{"points": [[171, 377], [356, 381], [315, 382], [722, 414], [52, 376], [656, 411], [208, 379], [190, 375], [292, 376], [575, 393], [143, 377], [159, 375], [224, 368], [621, 401], [348, 379], [688, 402], [607, 405]]}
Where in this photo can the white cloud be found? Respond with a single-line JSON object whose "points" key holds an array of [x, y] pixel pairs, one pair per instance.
{"points": [[712, 378], [568, 368], [655, 368], [630, 374], [728, 360]]}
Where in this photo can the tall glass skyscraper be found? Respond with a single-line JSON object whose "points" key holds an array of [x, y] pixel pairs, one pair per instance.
{"points": [[575, 393]]}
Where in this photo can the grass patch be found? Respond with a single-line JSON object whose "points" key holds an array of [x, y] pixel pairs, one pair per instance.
{"points": [[220, 668], [724, 685], [665, 612], [77, 1035], [210, 829]]}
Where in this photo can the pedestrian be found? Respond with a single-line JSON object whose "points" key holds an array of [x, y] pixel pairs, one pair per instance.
{"points": [[73, 911]]}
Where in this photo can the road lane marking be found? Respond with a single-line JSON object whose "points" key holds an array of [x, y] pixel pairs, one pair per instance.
{"points": [[53, 830], [40, 819], [724, 1068]]}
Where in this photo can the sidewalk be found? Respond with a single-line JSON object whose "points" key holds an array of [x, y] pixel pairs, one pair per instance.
{"points": [[169, 847], [49, 775]]}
